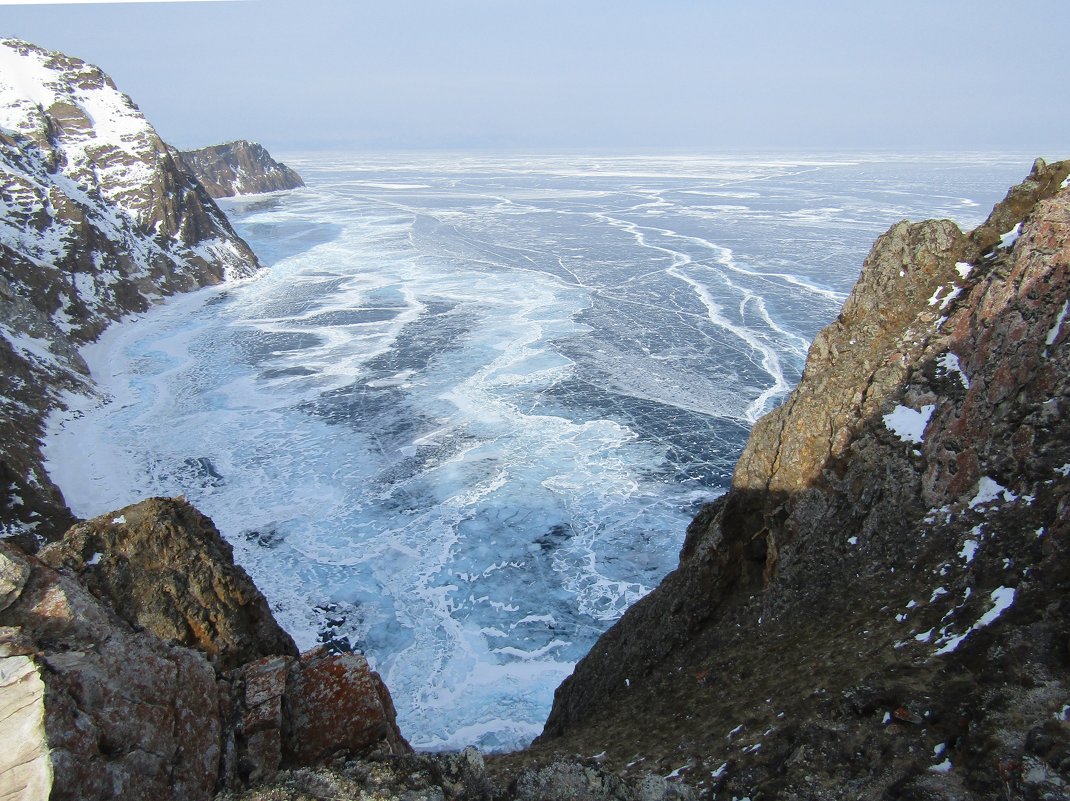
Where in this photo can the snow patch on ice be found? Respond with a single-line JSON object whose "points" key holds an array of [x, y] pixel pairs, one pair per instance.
{"points": [[909, 424]]}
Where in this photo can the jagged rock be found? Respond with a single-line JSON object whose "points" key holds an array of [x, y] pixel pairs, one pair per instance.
{"points": [[293, 712], [92, 709], [878, 606], [96, 704], [239, 168], [571, 781], [413, 777], [163, 566], [336, 703], [99, 221]]}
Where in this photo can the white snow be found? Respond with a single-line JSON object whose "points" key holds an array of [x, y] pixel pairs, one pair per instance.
{"points": [[950, 363], [94, 559], [969, 550], [852, 540], [1053, 332], [963, 269], [720, 771], [1002, 598], [943, 767], [119, 521], [1007, 239], [989, 490], [909, 424], [937, 593], [1064, 470]]}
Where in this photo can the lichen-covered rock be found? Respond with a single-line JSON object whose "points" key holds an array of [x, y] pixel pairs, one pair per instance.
{"points": [[99, 221], [411, 777], [239, 168], [572, 781], [878, 606], [92, 709], [123, 669], [163, 566], [335, 704]]}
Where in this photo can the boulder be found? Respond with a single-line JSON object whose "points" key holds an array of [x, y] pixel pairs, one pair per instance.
{"points": [[163, 566]]}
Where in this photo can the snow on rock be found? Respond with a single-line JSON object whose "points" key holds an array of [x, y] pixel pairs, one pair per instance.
{"points": [[909, 424], [1010, 237], [1053, 332], [990, 490], [949, 363], [1002, 598]]}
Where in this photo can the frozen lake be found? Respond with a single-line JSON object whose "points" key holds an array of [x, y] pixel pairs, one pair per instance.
{"points": [[462, 420]]}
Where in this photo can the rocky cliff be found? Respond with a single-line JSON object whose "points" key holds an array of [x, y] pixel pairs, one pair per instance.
{"points": [[239, 168], [138, 661], [879, 606], [97, 220]]}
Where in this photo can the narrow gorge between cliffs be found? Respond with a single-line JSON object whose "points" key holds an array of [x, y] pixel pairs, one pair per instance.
{"points": [[462, 420]]}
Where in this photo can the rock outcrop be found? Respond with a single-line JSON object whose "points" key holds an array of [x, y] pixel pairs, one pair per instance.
{"points": [[98, 220], [239, 168], [163, 566], [93, 709], [878, 607], [107, 692]]}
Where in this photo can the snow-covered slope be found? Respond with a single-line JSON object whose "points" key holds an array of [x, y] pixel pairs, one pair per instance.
{"points": [[97, 220]]}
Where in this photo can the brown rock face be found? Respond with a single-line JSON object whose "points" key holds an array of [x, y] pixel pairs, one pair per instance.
{"points": [[239, 168], [96, 704], [878, 606], [91, 709], [163, 566]]}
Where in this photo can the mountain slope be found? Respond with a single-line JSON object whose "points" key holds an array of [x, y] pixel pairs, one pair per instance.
{"points": [[97, 220], [879, 606]]}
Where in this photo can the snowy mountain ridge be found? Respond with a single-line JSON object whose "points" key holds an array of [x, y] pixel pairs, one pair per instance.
{"points": [[97, 220]]}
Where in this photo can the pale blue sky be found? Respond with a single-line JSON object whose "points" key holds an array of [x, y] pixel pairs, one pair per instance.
{"points": [[551, 75]]}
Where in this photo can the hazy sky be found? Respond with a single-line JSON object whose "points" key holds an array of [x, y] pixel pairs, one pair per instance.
{"points": [[581, 76]]}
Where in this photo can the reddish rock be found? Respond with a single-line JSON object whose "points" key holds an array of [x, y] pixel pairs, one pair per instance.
{"points": [[336, 703]]}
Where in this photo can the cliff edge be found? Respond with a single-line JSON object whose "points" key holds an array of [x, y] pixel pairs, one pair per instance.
{"points": [[97, 221], [239, 168], [879, 605]]}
